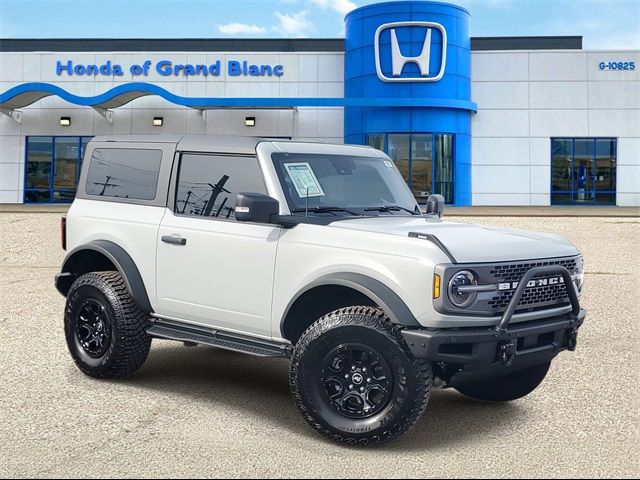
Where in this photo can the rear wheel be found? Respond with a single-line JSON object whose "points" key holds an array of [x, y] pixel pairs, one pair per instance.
{"points": [[354, 380], [105, 330], [507, 388]]}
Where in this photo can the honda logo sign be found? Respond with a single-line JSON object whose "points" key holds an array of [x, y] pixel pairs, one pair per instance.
{"points": [[399, 61]]}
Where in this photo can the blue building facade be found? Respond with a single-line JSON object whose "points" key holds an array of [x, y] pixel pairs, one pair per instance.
{"points": [[552, 124], [428, 130]]}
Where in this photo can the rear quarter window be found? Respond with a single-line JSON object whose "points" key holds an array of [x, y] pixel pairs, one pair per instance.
{"points": [[124, 173]]}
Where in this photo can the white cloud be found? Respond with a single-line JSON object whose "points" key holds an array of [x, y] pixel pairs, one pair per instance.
{"points": [[293, 24], [288, 25], [235, 28], [600, 34], [341, 6]]}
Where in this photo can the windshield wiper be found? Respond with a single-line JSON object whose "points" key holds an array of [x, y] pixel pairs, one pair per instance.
{"points": [[321, 209], [389, 209]]}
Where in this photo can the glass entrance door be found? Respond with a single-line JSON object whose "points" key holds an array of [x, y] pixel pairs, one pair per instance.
{"points": [[583, 181], [425, 160], [583, 171]]}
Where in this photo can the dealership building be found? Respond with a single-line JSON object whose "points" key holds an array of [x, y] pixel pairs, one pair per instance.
{"points": [[483, 121]]}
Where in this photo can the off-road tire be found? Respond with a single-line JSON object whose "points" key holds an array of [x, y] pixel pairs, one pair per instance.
{"points": [[370, 327], [507, 388], [129, 343]]}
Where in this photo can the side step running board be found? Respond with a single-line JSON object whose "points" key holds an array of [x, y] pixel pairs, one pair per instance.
{"points": [[228, 341]]}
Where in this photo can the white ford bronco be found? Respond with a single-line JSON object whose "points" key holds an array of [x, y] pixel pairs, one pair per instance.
{"points": [[313, 252]]}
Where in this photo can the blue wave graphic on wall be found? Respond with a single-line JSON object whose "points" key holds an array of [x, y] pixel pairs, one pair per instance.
{"points": [[29, 93]]}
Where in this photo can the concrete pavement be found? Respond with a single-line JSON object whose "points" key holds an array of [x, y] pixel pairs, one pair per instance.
{"points": [[203, 412]]}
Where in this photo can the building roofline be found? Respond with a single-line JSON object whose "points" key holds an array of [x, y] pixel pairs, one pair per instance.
{"points": [[336, 45], [172, 45], [527, 43]]}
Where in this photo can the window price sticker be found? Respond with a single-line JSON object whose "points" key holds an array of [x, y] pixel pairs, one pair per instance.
{"points": [[304, 179]]}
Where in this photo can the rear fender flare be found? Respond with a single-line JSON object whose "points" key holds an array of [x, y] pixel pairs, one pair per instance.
{"points": [[72, 268]]}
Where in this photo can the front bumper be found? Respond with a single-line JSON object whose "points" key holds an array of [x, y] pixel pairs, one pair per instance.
{"points": [[477, 346], [468, 354]]}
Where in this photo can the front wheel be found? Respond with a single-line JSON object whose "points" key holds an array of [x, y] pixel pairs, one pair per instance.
{"points": [[354, 379], [509, 387]]}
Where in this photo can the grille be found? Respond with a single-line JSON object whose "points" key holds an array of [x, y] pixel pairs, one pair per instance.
{"points": [[512, 272], [536, 297]]}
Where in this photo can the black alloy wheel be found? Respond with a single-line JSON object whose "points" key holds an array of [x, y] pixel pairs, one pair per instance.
{"points": [[93, 328], [357, 379]]}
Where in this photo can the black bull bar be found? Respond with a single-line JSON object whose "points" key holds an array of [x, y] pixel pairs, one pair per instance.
{"points": [[499, 343]]}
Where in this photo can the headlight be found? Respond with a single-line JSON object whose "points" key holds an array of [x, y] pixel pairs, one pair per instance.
{"points": [[457, 294]]}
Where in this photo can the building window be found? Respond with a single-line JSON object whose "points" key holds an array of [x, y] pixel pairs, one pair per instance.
{"points": [[52, 166], [583, 171], [425, 160]]}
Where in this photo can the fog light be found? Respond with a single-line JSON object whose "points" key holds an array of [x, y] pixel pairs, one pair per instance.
{"points": [[65, 121], [158, 121], [250, 122]]}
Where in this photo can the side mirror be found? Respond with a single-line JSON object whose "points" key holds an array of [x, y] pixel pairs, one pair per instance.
{"points": [[256, 207], [435, 205]]}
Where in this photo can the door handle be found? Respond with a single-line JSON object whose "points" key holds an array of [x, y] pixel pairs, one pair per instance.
{"points": [[174, 239]]}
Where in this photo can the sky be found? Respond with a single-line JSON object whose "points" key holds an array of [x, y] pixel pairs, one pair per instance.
{"points": [[604, 24]]}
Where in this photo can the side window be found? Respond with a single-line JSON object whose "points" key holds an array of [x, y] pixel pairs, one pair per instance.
{"points": [[124, 173], [208, 184]]}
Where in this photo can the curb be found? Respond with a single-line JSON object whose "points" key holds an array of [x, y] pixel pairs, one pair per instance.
{"points": [[569, 212]]}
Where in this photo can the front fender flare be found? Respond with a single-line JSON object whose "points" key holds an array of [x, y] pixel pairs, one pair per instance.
{"points": [[118, 257], [397, 310]]}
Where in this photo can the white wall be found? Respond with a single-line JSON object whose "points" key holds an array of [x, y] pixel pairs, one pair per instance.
{"points": [[305, 75], [525, 98]]}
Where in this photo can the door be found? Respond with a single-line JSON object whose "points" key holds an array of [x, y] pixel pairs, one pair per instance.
{"points": [[583, 168], [605, 171], [213, 270], [583, 171]]}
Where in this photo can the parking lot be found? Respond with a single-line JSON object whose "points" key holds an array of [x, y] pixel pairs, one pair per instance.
{"points": [[193, 412]]}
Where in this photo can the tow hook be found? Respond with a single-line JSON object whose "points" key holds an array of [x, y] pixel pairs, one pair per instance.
{"points": [[506, 352], [572, 340]]}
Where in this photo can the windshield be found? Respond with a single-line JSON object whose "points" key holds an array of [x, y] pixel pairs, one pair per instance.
{"points": [[351, 185]]}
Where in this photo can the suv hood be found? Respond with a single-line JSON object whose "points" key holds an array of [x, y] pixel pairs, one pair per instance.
{"points": [[470, 243]]}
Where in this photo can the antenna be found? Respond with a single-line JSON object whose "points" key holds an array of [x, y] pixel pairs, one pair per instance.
{"points": [[306, 207]]}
